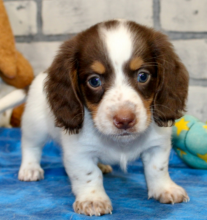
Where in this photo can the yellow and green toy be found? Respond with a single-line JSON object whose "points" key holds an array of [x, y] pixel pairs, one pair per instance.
{"points": [[189, 139]]}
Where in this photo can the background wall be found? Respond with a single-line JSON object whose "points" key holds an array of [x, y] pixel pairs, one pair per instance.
{"points": [[41, 25]]}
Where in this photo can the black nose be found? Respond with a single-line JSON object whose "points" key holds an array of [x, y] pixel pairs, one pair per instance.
{"points": [[124, 119]]}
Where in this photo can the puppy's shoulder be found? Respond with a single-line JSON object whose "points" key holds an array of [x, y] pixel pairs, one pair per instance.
{"points": [[36, 98], [158, 135], [38, 81]]}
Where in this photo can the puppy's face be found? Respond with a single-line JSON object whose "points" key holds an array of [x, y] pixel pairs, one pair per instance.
{"points": [[118, 82], [125, 74]]}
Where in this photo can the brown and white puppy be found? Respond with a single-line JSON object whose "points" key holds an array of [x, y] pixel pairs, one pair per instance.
{"points": [[116, 88]]}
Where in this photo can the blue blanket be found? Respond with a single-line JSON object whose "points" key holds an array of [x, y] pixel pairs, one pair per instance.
{"points": [[51, 198]]}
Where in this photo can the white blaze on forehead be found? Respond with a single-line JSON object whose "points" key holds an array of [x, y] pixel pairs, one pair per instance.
{"points": [[118, 41]]}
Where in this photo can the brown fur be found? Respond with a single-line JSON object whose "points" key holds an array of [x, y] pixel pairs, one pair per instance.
{"points": [[147, 105], [92, 108], [69, 70], [98, 67], [171, 76], [135, 63], [172, 90], [62, 90]]}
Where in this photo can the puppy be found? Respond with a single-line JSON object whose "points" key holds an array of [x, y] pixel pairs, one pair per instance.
{"points": [[110, 95]]}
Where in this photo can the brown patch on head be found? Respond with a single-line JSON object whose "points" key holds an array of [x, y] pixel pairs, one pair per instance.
{"points": [[168, 84], [98, 67], [135, 63], [66, 87], [93, 191], [110, 24], [94, 62], [88, 181]]}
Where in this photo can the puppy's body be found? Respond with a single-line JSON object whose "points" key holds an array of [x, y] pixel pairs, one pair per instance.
{"points": [[104, 87], [89, 140]]}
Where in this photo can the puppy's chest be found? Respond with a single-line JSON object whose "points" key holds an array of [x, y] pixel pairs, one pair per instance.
{"points": [[109, 151], [121, 154], [114, 152]]}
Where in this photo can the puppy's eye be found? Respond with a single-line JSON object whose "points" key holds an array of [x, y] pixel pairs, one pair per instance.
{"points": [[143, 77], [94, 82]]}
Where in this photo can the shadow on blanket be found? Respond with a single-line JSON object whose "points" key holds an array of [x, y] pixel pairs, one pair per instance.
{"points": [[51, 198]]}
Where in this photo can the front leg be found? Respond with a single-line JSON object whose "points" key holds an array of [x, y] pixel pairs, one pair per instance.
{"points": [[87, 185], [160, 186]]}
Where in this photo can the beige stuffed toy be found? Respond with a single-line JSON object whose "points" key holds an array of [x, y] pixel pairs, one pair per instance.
{"points": [[15, 70]]}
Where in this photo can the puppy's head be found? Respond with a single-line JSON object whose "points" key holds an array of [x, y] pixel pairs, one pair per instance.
{"points": [[125, 74]]}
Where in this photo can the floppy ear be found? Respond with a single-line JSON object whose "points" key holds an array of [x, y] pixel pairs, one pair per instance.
{"points": [[62, 88], [172, 87]]}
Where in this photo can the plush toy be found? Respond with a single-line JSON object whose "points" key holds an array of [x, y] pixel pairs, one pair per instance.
{"points": [[189, 140], [15, 70]]}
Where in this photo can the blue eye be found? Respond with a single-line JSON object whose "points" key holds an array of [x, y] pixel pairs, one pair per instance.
{"points": [[142, 77], [94, 82]]}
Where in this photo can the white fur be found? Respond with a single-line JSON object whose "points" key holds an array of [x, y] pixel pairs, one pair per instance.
{"points": [[12, 99], [119, 44], [101, 142]]}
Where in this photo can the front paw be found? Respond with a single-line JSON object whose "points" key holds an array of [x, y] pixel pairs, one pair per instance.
{"points": [[31, 172], [169, 194], [93, 206]]}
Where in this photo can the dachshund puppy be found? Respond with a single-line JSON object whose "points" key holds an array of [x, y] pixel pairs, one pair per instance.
{"points": [[110, 96]]}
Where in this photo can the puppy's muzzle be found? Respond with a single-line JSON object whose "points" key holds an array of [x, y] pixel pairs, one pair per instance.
{"points": [[124, 119]]}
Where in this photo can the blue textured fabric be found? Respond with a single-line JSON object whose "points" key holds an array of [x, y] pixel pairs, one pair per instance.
{"points": [[51, 198]]}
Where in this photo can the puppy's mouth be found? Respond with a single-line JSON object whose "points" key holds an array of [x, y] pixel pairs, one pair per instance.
{"points": [[124, 134]]}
